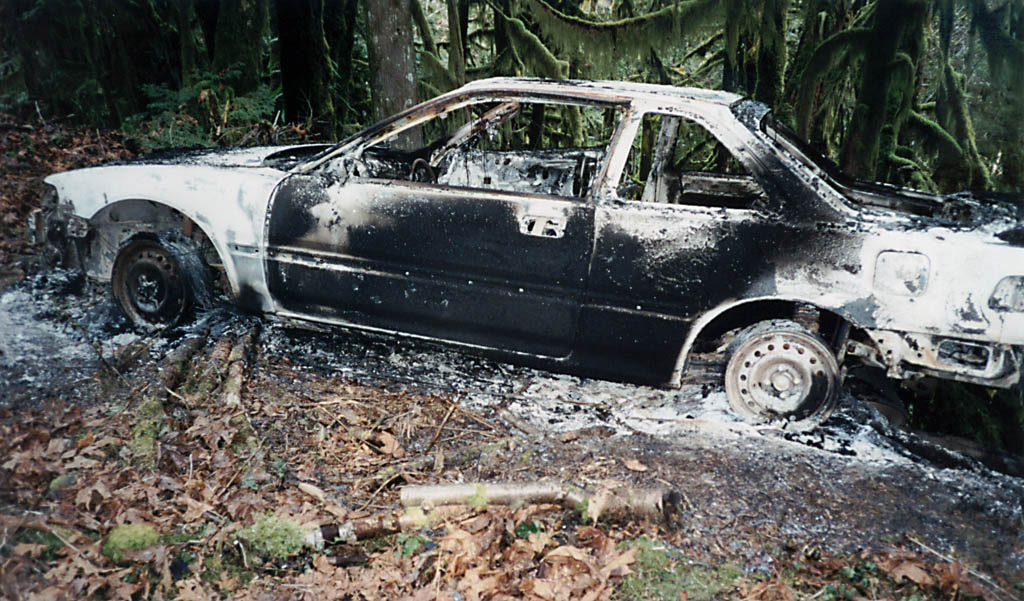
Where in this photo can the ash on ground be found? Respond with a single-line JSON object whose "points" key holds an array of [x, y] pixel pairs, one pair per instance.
{"points": [[854, 482]]}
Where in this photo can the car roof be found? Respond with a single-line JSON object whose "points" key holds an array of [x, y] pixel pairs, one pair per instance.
{"points": [[611, 91], [574, 89]]}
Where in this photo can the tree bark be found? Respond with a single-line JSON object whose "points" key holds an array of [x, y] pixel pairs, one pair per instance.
{"points": [[392, 59], [895, 22], [207, 12], [241, 29], [340, 28], [771, 52], [305, 68], [456, 42]]}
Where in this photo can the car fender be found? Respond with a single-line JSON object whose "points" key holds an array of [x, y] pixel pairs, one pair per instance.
{"points": [[228, 205]]}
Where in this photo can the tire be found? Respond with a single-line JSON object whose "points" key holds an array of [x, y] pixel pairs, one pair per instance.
{"points": [[159, 281], [779, 370]]}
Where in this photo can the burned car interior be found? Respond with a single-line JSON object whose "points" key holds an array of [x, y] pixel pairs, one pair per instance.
{"points": [[512, 146], [611, 229], [689, 166]]}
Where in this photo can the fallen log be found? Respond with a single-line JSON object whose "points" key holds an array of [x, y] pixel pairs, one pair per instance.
{"points": [[479, 494], [231, 390], [381, 525], [426, 506], [173, 365], [617, 502]]}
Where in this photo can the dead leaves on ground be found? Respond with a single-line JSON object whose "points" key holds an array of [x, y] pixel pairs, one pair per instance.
{"points": [[30, 152], [209, 478], [71, 478], [480, 557]]}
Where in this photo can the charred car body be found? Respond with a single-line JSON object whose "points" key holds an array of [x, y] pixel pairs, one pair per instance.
{"points": [[621, 230]]}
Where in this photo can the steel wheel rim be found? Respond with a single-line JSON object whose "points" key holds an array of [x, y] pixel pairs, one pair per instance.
{"points": [[149, 285], [782, 375]]}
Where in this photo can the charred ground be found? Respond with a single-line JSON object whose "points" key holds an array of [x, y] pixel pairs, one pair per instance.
{"points": [[201, 431]]}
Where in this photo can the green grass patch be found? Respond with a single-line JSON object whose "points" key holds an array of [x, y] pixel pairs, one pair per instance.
{"points": [[663, 574]]}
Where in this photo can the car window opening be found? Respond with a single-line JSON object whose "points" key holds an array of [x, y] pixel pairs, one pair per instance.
{"points": [[512, 146], [677, 161]]}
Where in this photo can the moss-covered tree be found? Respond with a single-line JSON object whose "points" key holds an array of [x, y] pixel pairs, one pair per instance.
{"points": [[305, 64], [1001, 32], [242, 31], [389, 37]]}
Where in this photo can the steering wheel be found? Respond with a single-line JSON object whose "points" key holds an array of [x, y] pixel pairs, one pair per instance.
{"points": [[422, 172]]}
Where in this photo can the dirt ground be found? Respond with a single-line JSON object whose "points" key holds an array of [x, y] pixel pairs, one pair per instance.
{"points": [[249, 409], [749, 493]]}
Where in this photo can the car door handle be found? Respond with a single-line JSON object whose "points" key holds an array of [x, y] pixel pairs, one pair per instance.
{"points": [[542, 227]]}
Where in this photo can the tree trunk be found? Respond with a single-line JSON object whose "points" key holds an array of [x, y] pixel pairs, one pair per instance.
{"points": [[501, 42], [207, 12], [894, 21], [392, 59], [456, 43], [305, 68], [340, 27], [771, 52], [241, 29], [184, 17]]}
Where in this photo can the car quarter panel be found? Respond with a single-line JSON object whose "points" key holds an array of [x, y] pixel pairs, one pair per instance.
{"points": [[657, 268]]}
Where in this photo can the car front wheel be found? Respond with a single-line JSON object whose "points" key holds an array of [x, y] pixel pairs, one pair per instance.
{"points": [[779, 370], [153, 280]]}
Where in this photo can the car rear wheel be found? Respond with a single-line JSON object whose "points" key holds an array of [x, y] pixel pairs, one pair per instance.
{"points": [[156, 281], [779, 370]]}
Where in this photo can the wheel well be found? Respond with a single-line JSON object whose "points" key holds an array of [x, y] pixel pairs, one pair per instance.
{"points": [[125, 220], [830, 326]]}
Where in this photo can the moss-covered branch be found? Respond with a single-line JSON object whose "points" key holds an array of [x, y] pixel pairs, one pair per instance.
{"points": [[826, 58], [534, 54], [603, 43], [931, 132]]}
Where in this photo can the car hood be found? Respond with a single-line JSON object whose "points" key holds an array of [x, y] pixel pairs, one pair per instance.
{"points": [[978, 207], [278, 157], [999, 214]]}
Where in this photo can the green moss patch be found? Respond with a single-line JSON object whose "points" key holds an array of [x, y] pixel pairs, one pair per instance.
{"points": [[129, 537], [272, 537]]}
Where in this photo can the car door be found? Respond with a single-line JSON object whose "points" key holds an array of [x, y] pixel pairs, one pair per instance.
{"points": [[476, 257], [674, 242]]}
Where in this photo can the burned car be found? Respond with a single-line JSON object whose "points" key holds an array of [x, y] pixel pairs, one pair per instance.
{"points": [[619, 230]]}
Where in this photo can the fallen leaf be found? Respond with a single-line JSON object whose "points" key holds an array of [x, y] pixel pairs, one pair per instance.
{"points": [[633, 464], [390, 445], [29, 549], [313, 491], [597, 503], [619, 565], [192, 590], [85, 441], [92, 496], [913, 572], [81, 462], [195, 509]]}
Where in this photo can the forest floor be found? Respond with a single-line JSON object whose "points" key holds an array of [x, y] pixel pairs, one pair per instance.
{"points": [[192, 465]]}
